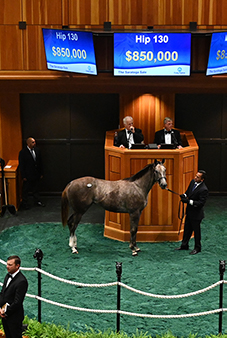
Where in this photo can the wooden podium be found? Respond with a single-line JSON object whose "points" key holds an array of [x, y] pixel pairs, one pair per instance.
{"points": [[159, 220], [13, 183]]}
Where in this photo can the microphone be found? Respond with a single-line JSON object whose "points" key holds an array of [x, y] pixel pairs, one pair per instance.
{"points": [[174, 138], [131, 129]]}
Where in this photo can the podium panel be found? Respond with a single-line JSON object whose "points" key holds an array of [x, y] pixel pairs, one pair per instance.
{"points": [[13, 183], [159, 220]]}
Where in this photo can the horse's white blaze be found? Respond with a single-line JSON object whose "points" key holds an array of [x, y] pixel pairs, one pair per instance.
{"points": [[162, 171]]}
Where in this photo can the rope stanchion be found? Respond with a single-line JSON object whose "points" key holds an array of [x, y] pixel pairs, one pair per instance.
{"points": [[221, 271], [39, 256], [119, 272]]}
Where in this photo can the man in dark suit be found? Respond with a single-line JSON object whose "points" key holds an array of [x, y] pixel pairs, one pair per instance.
{"points": [[168, 135], [195, 197], [129, 135], [31, 168], [11, 299]]}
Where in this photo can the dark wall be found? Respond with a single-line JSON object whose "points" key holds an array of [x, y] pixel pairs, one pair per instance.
{"points": [[206, 116], [70, 131]]}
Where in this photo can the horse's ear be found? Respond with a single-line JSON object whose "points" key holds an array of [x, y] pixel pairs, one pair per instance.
{"points": [[155, 162], [163, 160]]}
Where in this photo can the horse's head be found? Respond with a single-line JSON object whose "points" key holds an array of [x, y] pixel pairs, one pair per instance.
{"points": [[160, 173]]}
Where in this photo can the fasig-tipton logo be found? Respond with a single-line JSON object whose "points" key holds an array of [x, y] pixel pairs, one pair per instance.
{"points": [[179, 71], [89, 70]]}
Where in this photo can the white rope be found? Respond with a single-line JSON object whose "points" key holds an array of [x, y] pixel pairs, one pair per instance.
{"points": [[123, 285], [125, 312], [173, 316], [69, 306], [172, 296], [129, 288], [75, 283]]}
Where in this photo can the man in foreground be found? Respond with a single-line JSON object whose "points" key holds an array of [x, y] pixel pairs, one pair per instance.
{"points": [[11, 298]]}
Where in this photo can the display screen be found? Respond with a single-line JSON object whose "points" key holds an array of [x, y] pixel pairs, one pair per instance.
{"points": [[217, 62], [70, 51], [141, 54]]}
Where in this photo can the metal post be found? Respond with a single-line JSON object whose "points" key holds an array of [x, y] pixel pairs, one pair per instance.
{"points": [[221, 272], [119, 272], [39, 256]]}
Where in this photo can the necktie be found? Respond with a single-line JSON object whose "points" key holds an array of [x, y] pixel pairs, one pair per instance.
{"points": [[194, 186], [33, 154], [167, 132]]}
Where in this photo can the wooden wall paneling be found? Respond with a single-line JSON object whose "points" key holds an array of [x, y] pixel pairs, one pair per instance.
{"points": [[172, 13], [148, 111], [213, 12], [10, 132], [34, 52], [10, 12], [42, 12], [88, 12], [120, 12], [149, 12], [190, 12], [11, 47], [65, 12]]}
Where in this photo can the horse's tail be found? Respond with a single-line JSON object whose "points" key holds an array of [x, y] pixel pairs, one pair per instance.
{"points": [[64, 208]]}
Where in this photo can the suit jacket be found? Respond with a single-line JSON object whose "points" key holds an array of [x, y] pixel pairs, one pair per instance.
{"points": [[122, 137], [199, 197], [14, 295], [175, 137], [30, 168]]}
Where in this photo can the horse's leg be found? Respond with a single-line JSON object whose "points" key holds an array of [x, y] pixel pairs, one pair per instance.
{"points": [[134, 220], [73, 222]]}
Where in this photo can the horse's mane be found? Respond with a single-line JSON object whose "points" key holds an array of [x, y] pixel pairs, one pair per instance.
{"points": [[140, 173]]}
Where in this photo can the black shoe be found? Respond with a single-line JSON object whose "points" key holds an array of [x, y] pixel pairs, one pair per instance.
{"points": [[194, 252], [181, 248], [40, 204]]}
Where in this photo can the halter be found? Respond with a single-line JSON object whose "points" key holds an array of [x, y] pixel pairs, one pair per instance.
{"points": [[155, 172]]}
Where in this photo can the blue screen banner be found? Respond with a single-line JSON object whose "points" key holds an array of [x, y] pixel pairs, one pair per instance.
{"points": [[141, 54], [71, 51], [217, 62]]}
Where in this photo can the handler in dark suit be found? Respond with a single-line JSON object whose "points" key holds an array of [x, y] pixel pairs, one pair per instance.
{"points": [[129, 135], [195, 197], [168, 135], [31, 168], [11, 299]]}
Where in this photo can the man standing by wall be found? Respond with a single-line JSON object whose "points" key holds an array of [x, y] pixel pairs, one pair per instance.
{"points": [[11, 298], [31, 168]]}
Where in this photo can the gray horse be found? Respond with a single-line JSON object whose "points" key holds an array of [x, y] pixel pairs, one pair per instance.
{"points": [[127, 196]]}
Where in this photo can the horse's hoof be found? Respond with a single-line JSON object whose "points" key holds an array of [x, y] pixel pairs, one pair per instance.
{"points": [[134, 253], [137, 249], [75, 251]]}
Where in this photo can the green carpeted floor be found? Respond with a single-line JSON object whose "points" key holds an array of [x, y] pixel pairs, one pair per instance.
{"points": [[157, 269]]}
